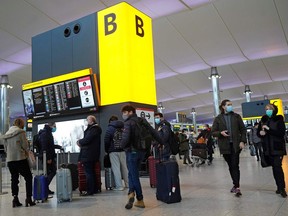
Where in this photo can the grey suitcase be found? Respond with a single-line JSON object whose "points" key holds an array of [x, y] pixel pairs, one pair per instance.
{"points": [[63, 183], [109, 179]]}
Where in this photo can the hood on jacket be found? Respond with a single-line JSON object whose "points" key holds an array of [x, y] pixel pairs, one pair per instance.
{"points": [[13, 131], [116, 124]]}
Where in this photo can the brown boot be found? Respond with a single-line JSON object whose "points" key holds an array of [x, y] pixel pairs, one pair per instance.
{"points": [[130, 202], [140, 204]]}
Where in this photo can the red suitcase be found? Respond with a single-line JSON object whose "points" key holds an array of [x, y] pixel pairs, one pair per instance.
{"points": [[82, 177], [152, 171]]}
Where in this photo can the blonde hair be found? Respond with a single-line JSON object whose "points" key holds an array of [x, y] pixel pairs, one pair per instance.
{"points": [[19, 123], [93, 118]]}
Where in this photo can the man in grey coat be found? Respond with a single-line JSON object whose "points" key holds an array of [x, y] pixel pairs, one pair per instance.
{"points": [[230, 130]]}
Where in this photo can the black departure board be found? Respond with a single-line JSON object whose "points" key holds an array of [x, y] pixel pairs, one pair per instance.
{"points": [[66, 97]]}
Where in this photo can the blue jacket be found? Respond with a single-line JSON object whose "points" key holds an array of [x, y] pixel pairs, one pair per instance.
{"points": [[47, 142], [128, 136], [90, 145], [108, 139]]}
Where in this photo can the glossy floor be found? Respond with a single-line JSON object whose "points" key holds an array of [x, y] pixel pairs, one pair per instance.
{"points": [[205, 191]]}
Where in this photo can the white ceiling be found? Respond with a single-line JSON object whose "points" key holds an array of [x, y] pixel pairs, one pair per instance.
{"points": [[245, 39]]}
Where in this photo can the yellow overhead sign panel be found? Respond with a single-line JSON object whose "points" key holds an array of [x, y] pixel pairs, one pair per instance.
{"points": [[126, 61], [57, 79]]}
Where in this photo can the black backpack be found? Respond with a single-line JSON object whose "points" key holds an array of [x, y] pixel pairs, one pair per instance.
{"points": [[174, 143], [143, 137], [117, 138]]}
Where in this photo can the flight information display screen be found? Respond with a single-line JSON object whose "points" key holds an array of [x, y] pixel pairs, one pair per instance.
{"points": [[65, 97]]}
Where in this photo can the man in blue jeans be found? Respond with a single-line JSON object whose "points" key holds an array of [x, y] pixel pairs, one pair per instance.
{"points": [[133, 156]]}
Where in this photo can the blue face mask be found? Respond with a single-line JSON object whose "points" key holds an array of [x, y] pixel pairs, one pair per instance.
{"points": [[229, 108], [157, 120], [124, 117], [269, 113], [53, 129]]}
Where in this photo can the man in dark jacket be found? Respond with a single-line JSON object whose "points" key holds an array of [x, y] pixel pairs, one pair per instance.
{"points": [[47, 145], [133, 156], [230, 130], [90, 152], [206, 134], [164, 129]]}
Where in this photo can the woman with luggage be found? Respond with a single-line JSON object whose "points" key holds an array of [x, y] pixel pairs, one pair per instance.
{"points": [[17, 147]]}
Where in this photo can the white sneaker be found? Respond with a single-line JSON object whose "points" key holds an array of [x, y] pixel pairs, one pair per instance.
{"points": [[118, 189]]}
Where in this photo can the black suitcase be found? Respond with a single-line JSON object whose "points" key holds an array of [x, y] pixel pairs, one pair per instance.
{"points": [[168, 189]]}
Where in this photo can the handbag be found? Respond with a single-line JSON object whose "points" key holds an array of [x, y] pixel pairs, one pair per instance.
{"points": [[265, 162], [201, 140], [31, 159], [252, 150]]}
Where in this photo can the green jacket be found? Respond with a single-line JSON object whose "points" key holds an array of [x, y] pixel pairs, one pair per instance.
{"points": [[238, 132]]}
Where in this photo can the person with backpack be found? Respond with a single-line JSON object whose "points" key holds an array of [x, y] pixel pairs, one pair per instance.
{"points": [[134, 144], [164, 129], [46, 141], [255, 140], [112, 141], [184, 146]]}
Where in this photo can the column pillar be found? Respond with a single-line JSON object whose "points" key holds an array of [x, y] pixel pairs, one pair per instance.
{"points": [[4, 105], [193, 112], [247, 93], [215, 89]]}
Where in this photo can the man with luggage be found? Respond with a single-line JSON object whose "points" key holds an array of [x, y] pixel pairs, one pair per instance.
{"points": [[90, 153], [164, 129], [134, 156], [47, 144]]}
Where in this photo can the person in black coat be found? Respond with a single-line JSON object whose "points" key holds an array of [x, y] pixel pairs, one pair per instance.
{"points": [[90, 152], [47, 145], [164, 129], [207, 135], [272, 131]]}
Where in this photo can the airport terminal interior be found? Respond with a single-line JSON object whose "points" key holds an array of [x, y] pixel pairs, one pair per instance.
{"points": [[205, 191]]}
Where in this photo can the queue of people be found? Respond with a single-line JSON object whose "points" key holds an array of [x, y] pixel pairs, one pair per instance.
{"points": [[228, 128]]}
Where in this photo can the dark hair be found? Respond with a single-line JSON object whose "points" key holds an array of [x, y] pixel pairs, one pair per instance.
{"points": [[158, 114], [207, 125], [256, 123], [50, 124], [113, 118], [223, 103], [128, 108]]}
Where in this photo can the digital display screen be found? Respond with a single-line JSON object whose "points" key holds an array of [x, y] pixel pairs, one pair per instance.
{"points": [[65, 97]]}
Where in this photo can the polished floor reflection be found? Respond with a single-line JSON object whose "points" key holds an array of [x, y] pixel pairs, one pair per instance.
{"points": [[205, 191]]}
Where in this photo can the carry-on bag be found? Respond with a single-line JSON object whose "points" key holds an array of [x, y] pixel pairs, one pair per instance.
{"points": [[152, 168], [63, 182], [109, 179], [40, 186], [167, 173], [82, 177]]}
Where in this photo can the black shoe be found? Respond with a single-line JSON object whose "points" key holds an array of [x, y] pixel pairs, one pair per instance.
{"points": [[29, 202], [50, 192], [15, 202], [283, 193]]}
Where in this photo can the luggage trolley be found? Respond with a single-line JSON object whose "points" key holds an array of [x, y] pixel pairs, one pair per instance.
{"points": [[198, 154]]}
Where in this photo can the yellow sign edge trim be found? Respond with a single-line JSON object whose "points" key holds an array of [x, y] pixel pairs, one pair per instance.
{"points": [[57, 79]]}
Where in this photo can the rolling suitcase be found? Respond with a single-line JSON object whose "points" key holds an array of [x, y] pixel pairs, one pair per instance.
{"points": [[109, 176], [82, 177], [63, 183], [168, 174], [109, 179], [152, 169], [40, 185]]}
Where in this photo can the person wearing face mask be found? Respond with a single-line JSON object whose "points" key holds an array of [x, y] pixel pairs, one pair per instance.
{"points": [[47, 144], [164, 129], [90, 147], [271, 130], [134, 157], [16, 146], [230, 130], [206, 134]]}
